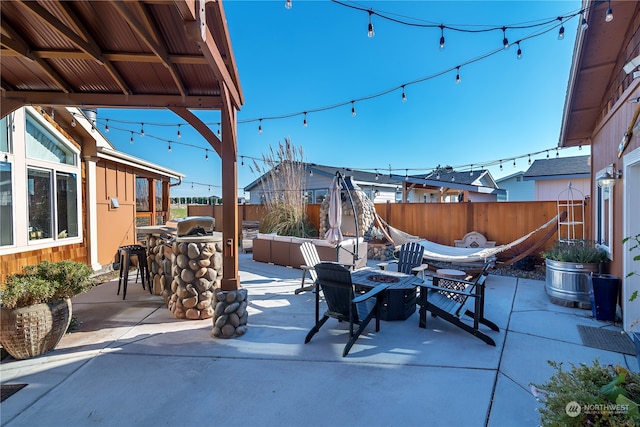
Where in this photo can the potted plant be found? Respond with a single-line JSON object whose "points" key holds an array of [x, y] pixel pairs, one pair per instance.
{"points": [[595, 395], [568, 268], [35, 306]]}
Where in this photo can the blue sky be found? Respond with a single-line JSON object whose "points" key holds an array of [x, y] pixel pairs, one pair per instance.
{"points": [[317, 54]]}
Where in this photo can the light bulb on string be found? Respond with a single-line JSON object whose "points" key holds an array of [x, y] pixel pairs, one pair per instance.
{"points": [[453, 178], [377, 175], [206, 154], [288, 4], [547, 154], [142, 130], [353, 109], [438, 176], [179, 134], [514, 163], [192, 185], [404, 95], [209, 189], [242, 160], [53, 114], [131, 139], [73, 122], [458, 80], [310, 172], [609, 15], [304, 123], [441, 37], [169, 146], [557, 153], [106, 126], [584, 25], [519, 52], [260, 127], [529, 158], [505, 40], [471, 171], [561, 31], [500, 164], [580, 147], [218, 131], [406, 175], [370, 32]]}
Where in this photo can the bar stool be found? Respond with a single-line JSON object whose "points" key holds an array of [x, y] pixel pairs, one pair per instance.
{"points": [[126, 252]]}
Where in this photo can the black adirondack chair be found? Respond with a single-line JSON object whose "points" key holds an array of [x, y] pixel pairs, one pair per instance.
{"points": [[447, 297], [344, 303], [409, 259]]}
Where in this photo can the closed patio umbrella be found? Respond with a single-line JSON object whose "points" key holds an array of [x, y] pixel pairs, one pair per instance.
{"points": [[333, 234]]}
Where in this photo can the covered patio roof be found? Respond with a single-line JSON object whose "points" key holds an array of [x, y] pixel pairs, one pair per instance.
{"points": [[164, 54]]}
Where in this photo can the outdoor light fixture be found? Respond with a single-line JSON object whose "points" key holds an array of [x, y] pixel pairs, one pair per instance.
{"points": [[353, 109], [370, 32], [441, 36], [106, 126], [608, 179], [505, 41], [260, 127], [304, 123], [561, 31], [458, 75], [404, 95], [519, 52], [609, 15]]}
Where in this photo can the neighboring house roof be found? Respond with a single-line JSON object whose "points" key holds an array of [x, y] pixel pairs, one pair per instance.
{"points": [[508, 177], [479, 181], [559, 168]]}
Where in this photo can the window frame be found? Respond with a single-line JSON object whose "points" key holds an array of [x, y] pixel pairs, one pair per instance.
{"points": [[604, 215]]}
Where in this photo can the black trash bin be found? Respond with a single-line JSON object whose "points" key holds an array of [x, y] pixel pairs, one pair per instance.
{"points": [[603, 294]]}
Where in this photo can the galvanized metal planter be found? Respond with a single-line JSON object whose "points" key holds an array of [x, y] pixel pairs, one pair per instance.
{"points": [[567, 283]]}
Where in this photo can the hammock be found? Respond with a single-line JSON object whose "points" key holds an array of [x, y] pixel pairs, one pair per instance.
{"points": [[521, 247]]}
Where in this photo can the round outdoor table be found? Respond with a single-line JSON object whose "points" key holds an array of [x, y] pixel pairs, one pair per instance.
{"points": [[449, 272]]}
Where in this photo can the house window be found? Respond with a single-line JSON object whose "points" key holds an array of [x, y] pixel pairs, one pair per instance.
{"points": [[142, 195], [6, 205], [159, 196], [320, 195], [604, 216], [53, 189]]}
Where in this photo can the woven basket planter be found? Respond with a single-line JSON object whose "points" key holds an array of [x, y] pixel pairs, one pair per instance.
{"points": [[31, 331]]}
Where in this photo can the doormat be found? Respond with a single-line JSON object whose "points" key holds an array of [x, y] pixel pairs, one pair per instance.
{"points": [[606, 339], [7, 390]]}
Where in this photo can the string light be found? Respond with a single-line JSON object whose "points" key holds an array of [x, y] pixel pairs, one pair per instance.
{"points": [[106, 127], [609, 16], [179, 134], [514, 163], [53, 114], [529, 158], [505, 41], [142, 130], [131, 139], [73, 122], [584, 25], [458, 75], [500, 164], [561, 31], [406, 175], [169, 147], [441, 36], [218, 131], [377, 175], [288, 4], [519, 52], [547, 154], [557, 153], [471, 171], [370, 32], [206, 154], [310, 172], [304, 123], [404, 95], [242, 162], [353, 109], [260, 127]]}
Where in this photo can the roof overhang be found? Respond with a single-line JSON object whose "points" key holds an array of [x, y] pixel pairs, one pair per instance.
{"points": [[593, 69]]}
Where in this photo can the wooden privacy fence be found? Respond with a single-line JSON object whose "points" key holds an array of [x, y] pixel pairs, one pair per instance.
{"points": [[502, 222]]}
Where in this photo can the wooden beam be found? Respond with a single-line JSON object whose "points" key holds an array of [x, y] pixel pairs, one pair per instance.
{"points": [[230, 279], [199, 126], [150, 37], [108, 56], [210, 50], [22, 47], [9, 106], [114, 100], [115, 75], [54, 23]]}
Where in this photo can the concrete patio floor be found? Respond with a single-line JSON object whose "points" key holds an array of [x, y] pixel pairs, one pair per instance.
{"points": [[132, 363]]}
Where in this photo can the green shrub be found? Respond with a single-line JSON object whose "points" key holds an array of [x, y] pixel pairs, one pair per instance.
{"points": [[602, 395], [579, 251], [45, 282]]}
